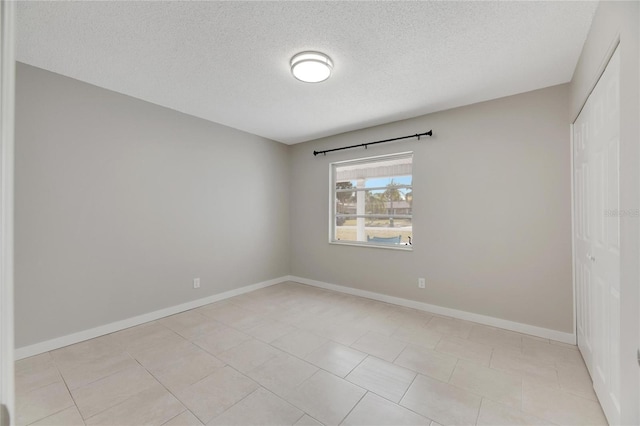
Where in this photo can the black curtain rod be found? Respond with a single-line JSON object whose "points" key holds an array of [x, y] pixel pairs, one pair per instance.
{"points": [[417, 135]]}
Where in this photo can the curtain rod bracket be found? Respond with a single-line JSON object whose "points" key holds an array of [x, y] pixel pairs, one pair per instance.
{"points": [[366, 145]]}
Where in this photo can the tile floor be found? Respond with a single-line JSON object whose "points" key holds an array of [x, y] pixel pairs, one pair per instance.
{"points": [[297, 355]]}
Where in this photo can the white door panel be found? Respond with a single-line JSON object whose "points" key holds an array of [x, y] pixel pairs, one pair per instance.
{"points": [[597, 236]]}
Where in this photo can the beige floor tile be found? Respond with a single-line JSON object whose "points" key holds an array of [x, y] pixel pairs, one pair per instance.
{"points": [[380, 346], [575, 379], [450, 326], [307, 420], [260, 408], [423, 337], [190, 324], [247, 323], [495, 337], [269, 330], [67, 417], [373, 410], [282, 373], [493, 384], [187, 370], [336, 358], [409, 318], [153, 406], [185, 419], [564, 345], [560, 407], [89, 349], [442, 402], [220, 340], [112, 390], [146, 335], [515, 362], [529, 339], [495, 414], [326, 397], [105, 376], [35, 372], [153, 359], [216, 393], [80, 373], [86, 362], [345, 334], [229, 314], [42, 402], [291, 316], [464, 349], [315, 324], [428, 362], [547, 352], [383, 378], [378, 324], [249, 355], [299, 343]]}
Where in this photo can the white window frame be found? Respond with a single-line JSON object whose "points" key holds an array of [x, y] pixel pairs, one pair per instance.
{"points": [[332, 202]]}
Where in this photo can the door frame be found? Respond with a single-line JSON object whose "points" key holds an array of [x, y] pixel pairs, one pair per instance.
{"points": [[7, 114], [573, 240]]}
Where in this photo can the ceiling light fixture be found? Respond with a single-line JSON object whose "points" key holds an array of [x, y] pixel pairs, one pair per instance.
{"points": [[311, 67]]}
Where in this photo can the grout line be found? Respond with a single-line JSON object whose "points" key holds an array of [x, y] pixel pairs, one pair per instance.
{"points": [[356, 366], [453, 370], [55, 364], [479, 409], [401, 352], [125, 350], [238, 401], [179, 414], [354, 406], [405, 393], [53, 414], [299, 418], [407, 389], [521, 394], [155, 379], [60, 378]]}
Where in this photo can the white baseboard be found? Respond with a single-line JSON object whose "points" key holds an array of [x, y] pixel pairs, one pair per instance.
{"points": [[533, 330], [70, 339]]}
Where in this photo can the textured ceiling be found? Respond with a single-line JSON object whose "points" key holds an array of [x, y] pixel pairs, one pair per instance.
{"points": [[228, 62]]}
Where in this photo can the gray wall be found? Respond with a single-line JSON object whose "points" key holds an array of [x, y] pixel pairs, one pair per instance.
{"points": [[615, 21], [492, 211], [121, 203]]}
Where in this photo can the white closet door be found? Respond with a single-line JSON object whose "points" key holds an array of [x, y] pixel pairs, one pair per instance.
{"points": [[597, 236], [582, 234]]}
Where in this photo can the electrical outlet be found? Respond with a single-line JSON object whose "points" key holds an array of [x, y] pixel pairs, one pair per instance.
{"points": [[421, 283], [196, 283]]}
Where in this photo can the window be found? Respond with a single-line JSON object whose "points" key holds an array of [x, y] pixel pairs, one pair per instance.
{"points": [[371, 201]]}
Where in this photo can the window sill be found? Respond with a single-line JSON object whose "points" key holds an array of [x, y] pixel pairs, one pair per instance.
{"points": [[400, 247]]}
